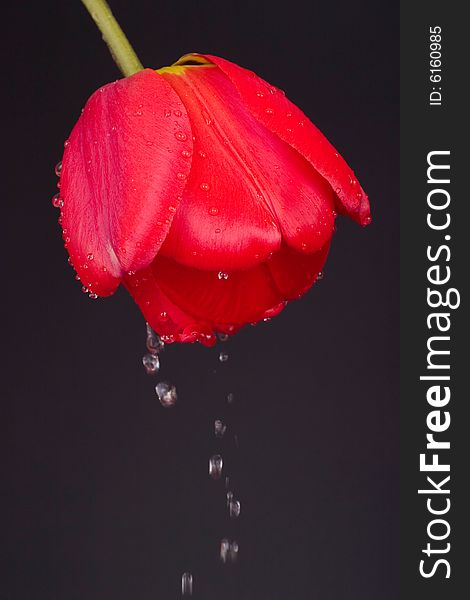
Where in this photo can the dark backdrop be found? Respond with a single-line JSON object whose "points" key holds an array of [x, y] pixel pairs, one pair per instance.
{"points": [[107, 494]]}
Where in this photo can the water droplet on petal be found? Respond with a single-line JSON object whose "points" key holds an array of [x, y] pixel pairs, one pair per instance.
{"points": [[181, 176], [151, 363], [213, 211], [153, 342], [177, 113], [202, 154], [166, 393], [320, 276], [93, 296], [222, 275], [205, 187], [90, 256], [219, 428], [269, 111], [66, 143], [163, 316], [207, 118], [181, 136], [167, 113], [58, 168], [187, 584], [186, 153], [216, 464], [223, 337], [57, 201]]}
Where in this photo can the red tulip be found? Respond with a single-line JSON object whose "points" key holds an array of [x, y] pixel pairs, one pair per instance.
{"points": [[206, 192]]}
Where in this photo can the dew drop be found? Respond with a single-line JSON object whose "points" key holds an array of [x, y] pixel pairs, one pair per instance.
{"points": [[90, 256], [186, 153], [222, 275], [213, 211], [66, 143], [206, 117], [219, 428], [320, 276], [57, 201], [177, 113], [216, 464], [166, 393], [167, 113], [58, 168], [187, 584], [181, 176], [260, 94], [202, 154], [269, 111], [151, 363], [181, 136], [164, 316], [205, 187], [93, 296]]}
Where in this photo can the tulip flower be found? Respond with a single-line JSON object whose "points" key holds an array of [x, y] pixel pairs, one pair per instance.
{"points": [[204, 191]]}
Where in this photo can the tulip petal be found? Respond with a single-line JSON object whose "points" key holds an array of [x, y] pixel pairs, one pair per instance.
{"points": [[186, 304], [247, 186], [294, 273], [271, 108], [124, 170]]}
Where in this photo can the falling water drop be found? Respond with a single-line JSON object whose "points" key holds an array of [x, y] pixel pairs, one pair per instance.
{"points": [[219, 428], [223, 357], [234, 508], [216, 464], [231, 398], [166, 393], [154, 343], [228, 551], [151, 363], [187, 584]]}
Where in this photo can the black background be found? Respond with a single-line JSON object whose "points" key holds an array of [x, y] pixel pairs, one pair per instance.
{"points": [[107, 494]]}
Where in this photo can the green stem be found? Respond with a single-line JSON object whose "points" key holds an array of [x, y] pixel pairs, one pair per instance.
{"points": [[119, 46]]}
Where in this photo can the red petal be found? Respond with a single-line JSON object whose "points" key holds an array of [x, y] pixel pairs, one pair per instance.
{"points": [[271, 107], [124, 169], [246, 185], [186, 304], [294, 273]]}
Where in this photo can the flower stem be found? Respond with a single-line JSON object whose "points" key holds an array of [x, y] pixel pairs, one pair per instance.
{"points": [[118, 44]]}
